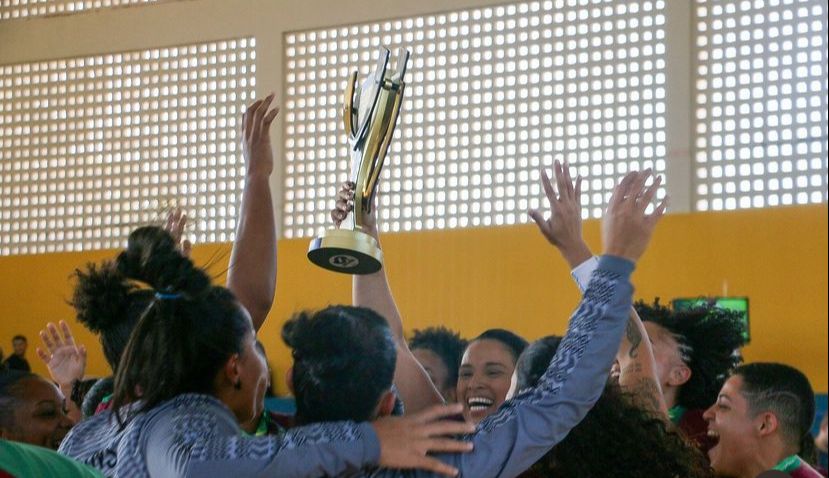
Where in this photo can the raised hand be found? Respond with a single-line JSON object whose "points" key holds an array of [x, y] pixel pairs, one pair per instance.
{"points": [[345, 205], [176, 221], [251, 275], [65, 360], [405, 442], [563, 228], [626, 229], [256, 139]]}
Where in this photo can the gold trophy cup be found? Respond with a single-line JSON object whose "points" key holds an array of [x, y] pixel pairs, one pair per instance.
{"points": [[370, 115]]}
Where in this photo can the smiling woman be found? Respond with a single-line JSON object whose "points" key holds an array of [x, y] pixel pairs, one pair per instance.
{"points": [[31, 410], [486, 372]]}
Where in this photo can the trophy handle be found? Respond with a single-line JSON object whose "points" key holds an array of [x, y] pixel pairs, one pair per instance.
{"points": [[348, 105], [371, 184], [371, 87]]}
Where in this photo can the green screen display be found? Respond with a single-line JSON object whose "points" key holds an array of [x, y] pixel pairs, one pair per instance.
{"points": [[739, 304]]}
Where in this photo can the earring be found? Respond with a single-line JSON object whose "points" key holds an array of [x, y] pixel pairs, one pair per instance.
{"points": [[238, 384]]}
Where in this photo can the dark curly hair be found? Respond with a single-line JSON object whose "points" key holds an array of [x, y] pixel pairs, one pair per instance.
{"points": [[187, 333], [708, 337], [344, 359], [107, 303], [447, 344], [634, 442]]}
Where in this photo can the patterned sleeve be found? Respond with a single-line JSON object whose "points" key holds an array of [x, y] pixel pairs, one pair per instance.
{"points": [[204, 446], [529, 425]]}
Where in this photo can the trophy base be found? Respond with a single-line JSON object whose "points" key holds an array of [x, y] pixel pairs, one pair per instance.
{"points": [[346, 251]]}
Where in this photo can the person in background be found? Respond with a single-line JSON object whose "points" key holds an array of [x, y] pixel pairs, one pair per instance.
{"points": [[17, 360], [32, 410], [439, 350], [694, 351], [761, 421]]}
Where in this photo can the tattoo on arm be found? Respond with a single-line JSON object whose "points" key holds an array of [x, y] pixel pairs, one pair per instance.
{"points": [[634, 337]]}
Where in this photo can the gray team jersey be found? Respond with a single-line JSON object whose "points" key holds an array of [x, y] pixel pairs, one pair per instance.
{"points": [[196, 435]]}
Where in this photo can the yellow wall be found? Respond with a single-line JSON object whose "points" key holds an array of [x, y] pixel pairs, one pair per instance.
{"points": [[473, 279]]}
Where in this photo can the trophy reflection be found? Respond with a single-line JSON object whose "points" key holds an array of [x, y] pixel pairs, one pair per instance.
{"points": [[370, 114]]}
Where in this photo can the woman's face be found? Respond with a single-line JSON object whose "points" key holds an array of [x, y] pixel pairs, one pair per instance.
{"points": [[253, 378], [39, 417], [484, 379]]}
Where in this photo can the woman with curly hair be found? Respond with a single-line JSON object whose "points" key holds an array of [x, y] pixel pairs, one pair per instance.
{"points": [[641, 443]]}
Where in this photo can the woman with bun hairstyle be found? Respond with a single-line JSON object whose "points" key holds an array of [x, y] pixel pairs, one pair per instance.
{"points": [[191, 372]]}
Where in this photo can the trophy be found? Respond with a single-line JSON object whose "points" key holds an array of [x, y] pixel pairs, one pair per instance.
{"points": [[370, 114]]}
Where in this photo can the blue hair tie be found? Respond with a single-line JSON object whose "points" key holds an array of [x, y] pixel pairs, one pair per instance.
{"points": [[162, 296]]}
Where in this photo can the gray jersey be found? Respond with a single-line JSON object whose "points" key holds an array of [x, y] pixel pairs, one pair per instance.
{"points": [[197, 435]]}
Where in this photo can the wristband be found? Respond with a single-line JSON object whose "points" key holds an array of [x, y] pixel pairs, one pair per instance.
{"points": [[582, 272]]}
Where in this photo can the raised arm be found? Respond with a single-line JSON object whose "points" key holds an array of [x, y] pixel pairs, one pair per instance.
{"points": [[373, 291], [252, 272], [527, 426], [66, 363], [564, 230]]}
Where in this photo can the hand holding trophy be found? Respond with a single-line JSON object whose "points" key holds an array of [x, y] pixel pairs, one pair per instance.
{"points": [[370, 115]]}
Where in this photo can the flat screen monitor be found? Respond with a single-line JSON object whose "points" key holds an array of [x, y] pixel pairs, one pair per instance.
{"points": [[739, 304]]}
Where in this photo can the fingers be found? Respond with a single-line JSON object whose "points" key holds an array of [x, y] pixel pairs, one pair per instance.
{"points": [[437, 412], [621, 189], [657, 214], [568, 180], [47, 341], [449, 445], [182, 221], [186, 248], [259, 114], [447, 428], [561, 181], [247, 119], [55, 336], [638, 185], [548, 188], [168, 225], [43, 355], [67, 334], [344, 204], [577, 192], [82, 353], [649, 193], [434, 465], [270, 117], [346, 192]]}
